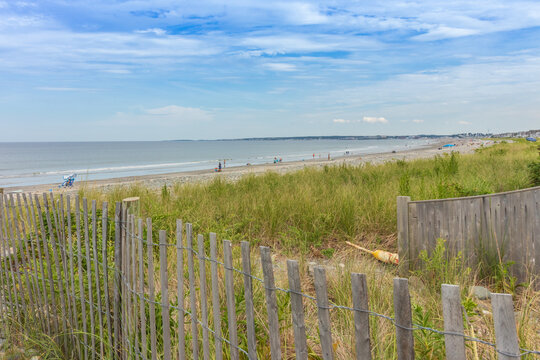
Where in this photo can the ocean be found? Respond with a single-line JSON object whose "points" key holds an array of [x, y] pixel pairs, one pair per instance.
{"points": [[38, 163]]}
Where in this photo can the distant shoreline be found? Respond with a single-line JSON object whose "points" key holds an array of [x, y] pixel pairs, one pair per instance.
{"points": [[157, 181]]}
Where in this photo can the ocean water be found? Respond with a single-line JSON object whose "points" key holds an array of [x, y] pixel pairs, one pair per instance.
{"points": [[24, 164]]}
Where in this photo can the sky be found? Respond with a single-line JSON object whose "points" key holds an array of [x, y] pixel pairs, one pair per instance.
{"points": [[80, 70]]}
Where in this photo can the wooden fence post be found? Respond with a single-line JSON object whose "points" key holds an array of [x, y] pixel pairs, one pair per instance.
{"points": [[403, 233], [403, 320], [453, 322], [229, 291], [117, 281], [271, 302], [215, 297], [192, 293], [248, 295], [323, 310], [165, 318], [505, 326], [297, 310], [361, 319]]}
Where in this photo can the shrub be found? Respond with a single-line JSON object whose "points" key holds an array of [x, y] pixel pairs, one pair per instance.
{"points": [[534, 173]]}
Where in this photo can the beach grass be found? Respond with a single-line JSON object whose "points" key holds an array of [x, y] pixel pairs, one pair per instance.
{"points": [[308, 215], [315, 210]]}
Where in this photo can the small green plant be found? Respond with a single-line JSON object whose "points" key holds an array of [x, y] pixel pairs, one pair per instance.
{"points": [[405, 184], [534, 173], [439, 268], [428, 344]]}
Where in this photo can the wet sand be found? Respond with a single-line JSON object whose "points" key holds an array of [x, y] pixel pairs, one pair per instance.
{"points": [[463, 146]]}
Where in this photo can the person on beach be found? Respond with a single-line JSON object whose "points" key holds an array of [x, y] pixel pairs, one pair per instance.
{"points": [[219, 166]]}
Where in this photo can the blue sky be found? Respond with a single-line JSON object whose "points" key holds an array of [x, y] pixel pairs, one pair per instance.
{"points": [[73, 70]]}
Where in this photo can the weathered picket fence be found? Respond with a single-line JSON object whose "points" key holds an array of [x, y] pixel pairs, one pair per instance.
{"points": [[504, 227], [91, 282]]}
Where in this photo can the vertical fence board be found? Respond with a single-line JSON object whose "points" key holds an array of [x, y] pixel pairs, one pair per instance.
{"points": [[82, 298], [14, 240], [453, 322], [297, 310], [323, 311], [361, 317], [125, 293], [180, 291], [271, 302], [117, 279], [134, 284], [56, 262], [151, 290], [215, 297], [72, 275], [505, 326], [403, 319], [97, 277], [248, 295], [403, 233], [89, 280], [5, 261], [192, 294], [204, 300], [104, 255], [164, 295], [142, 307], [33, 228], [19, 221], [229, 289]]}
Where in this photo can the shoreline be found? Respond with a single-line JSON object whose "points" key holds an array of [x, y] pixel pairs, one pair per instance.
{"points": [[157, 181]]}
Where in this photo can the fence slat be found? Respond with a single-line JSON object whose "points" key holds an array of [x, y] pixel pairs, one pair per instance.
{"points": [[142, 307], [32, 228], [21, 235], [505, 326], [361, 317], [453, 322], [14, 240], [38, 264], [125, 292], [192, 294], [117, 278], [134, 284], [82, 298], [325, 333], [151, 290], [271, 302], [403, 319], [229, 290], [164, 295], [104, 256], [97, 277], [56, 262], [204, 300], [215, 297], [180, 290], [72, 275], [297, 310], [55, 245], [248, 295], [6, 260], [89, 276]]}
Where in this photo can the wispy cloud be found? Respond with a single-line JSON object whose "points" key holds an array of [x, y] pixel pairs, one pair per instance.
{"points": [[418, 121], [463, 122], [280, 66], [341, 121], [374, 120]]}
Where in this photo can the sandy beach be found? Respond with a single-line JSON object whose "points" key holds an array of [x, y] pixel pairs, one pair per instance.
{"points": [[463, 146]]}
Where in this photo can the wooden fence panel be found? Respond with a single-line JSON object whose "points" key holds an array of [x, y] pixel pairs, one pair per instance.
{"points": [[479, 227]]}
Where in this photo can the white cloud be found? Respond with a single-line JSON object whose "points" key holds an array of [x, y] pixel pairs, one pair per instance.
{"points": [[280, 66], [462, 122], [418, 121], [341, 121], [373, 120], [155, 31], [180, 113]]}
